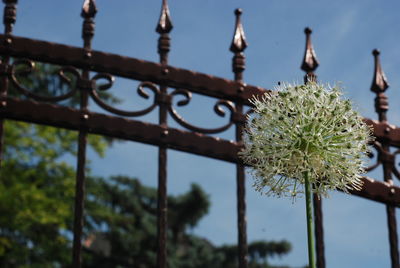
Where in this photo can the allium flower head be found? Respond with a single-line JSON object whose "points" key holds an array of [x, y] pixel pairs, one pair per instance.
{"points": [[305, 129]]}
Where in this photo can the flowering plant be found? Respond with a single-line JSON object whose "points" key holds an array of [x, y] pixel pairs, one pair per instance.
{"points": [[305, 129], [305, 135]]}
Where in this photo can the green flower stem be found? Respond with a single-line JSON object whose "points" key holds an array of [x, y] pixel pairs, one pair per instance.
{"points": [[310, 223]]}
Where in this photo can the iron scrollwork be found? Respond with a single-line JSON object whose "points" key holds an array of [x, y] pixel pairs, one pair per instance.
{"points": [[140, 90], [73, 78], [218, 109], [103, 81], [394, 169], [25, 67], [384, 156], [378, 147]]}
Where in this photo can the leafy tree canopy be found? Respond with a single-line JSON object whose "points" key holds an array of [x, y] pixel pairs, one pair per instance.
{"points": [[36, 207]]}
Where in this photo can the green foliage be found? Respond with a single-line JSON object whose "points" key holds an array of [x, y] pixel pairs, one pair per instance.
{"points": [[37, 190], [36, 206], [37, 187], [37, 184], [125, 211]]}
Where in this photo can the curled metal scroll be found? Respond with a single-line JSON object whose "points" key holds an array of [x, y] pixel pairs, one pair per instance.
{"points": [[379, 149], [108, 84], [394, 169], [218, 109], [25, 67]]}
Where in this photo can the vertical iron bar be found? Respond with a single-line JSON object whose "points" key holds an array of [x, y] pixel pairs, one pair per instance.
{"points": [[88, 13], [309, 65], [238, 45], [392, 222], [379, 86], [164, 27], [79, 201], [9, 18]]}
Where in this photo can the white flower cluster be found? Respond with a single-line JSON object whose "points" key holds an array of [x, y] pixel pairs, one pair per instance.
{"points": [[305, 129]]}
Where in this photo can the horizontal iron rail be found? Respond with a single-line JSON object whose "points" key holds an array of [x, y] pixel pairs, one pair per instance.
{"points": [[385, 131], [118, 127], [127, 129], [148, 71], [128, 67], [379, 191]]}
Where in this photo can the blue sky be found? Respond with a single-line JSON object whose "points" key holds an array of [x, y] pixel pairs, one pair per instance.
{"points": [[345, 32]]}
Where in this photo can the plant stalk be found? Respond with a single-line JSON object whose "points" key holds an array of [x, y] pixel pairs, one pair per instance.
{"points": [[310, 222]]}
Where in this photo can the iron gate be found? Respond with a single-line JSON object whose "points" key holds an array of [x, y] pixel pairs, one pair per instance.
{"points": [[158, 78]]}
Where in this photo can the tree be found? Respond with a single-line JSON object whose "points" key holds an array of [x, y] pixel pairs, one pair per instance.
{"points": [[37, 184], [36, 206], [126, 210]]}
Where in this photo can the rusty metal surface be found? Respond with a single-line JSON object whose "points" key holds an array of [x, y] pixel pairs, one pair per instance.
{"points": [[127, 129], [393, 238], [310, 61], [129, 68], [88, 13], [122, 128], [164, 27], [143, 70], [79, 201], [238, 46], [9, 18], [378, 191], [379, 86], [385, 156], [231, 95], [10, 15], [383, 131]]}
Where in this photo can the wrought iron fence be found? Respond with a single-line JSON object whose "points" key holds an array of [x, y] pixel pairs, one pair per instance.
{"points": [[167, 82]]}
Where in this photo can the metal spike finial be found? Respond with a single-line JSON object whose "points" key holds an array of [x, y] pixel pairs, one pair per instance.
{"points": [[239, 42], [164, 23], [89, 9], [10, 15], [379, 86], [310, 61], [10, 1], [379, 82]]}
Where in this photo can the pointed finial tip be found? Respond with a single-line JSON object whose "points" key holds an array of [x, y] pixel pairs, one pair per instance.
{"points": [[89, 9], [239, 42], [164, 23], [379, 82], [238, 11], [310, 61]]}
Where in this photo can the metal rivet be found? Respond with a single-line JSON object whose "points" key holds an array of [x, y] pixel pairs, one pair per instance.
{"points": [[85, 116], [88, 54], [387, 130], [165, 71], [392, 191], [8, 41], [3, 104], [164, 133], [240, 89]]}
